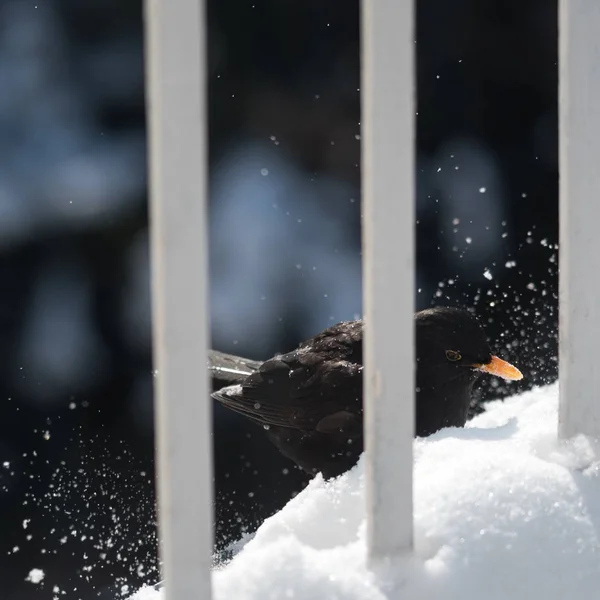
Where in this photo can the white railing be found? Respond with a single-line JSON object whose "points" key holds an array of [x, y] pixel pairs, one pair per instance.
{"points": [[176, 74], [579, 100], [388, 190], [177, 120]]}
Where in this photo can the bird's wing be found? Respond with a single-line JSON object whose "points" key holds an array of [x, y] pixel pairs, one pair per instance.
{"points": [[300, 390]]}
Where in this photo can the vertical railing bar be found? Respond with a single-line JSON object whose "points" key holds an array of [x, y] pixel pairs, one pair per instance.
{"points": [[579, 132], [176, 91], [388, 192]]}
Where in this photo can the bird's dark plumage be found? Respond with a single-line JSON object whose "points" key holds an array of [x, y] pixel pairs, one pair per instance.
{"points": [[310, 400]]}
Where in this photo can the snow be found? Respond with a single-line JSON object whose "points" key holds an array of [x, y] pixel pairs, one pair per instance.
{"points": [[35, 576], [502, 510]]}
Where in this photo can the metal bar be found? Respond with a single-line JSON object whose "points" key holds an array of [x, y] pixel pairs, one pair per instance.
{"points": [[388, 192], [579, 124], [176, 75]]}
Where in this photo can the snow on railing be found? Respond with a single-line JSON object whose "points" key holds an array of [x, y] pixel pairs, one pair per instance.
{"points": [[178, 127], [579, 128]]}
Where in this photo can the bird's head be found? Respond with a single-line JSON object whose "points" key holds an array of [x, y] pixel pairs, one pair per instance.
{"points": [[451, 344]]}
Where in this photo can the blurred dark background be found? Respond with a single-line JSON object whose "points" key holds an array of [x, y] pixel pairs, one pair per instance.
{"points": [[76, 441]]}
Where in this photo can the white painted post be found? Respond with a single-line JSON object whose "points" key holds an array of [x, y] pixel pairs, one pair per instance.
{"points": [[388, 193], [176, 72], [579, 100]]}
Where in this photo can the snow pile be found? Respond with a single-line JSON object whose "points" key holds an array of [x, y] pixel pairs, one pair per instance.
{"points": [[502, 510]]}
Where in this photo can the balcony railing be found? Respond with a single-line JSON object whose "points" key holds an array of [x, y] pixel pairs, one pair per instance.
{"points": [[176, 59]]}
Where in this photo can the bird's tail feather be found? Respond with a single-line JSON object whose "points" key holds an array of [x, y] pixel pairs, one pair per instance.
{"points": [[227, 369]]}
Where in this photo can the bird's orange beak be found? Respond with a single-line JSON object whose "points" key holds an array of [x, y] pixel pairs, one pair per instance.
{"points": [[501, 368]]}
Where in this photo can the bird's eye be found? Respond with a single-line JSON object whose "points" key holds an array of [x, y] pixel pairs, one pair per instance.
{"points": [[453, 355]]}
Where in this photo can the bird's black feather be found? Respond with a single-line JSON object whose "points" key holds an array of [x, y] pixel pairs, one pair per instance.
{"points": [[310, 400]]}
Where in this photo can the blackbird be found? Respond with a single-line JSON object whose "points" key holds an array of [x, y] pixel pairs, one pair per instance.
{"points": [[309, 400]]}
